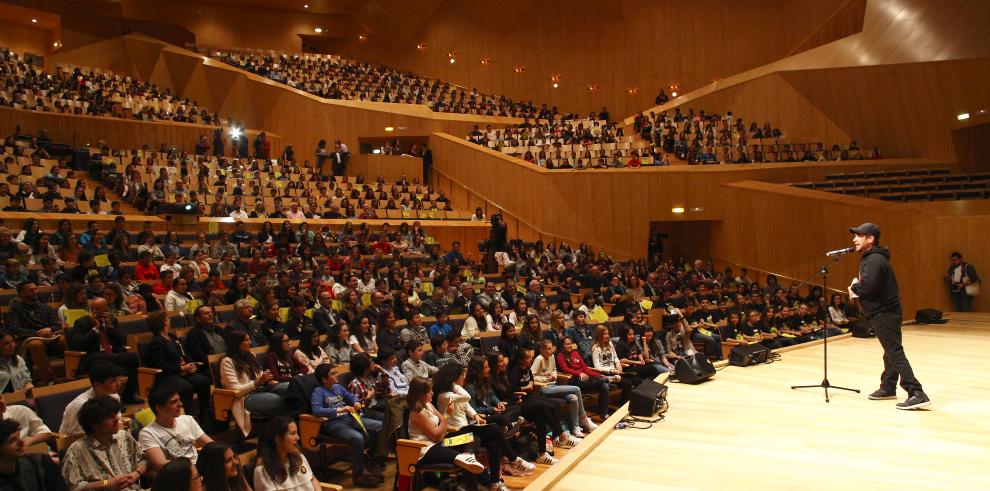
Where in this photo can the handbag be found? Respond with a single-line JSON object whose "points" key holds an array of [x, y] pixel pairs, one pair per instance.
{"points": [[973, 289]]}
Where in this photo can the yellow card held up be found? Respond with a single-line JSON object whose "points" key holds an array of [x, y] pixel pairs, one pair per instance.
{"points": [[102, 260], [72, 315], [283, 314], [193, 304]]}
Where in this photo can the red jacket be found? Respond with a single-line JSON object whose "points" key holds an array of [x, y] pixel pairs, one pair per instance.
{"points": [[149, 272], [573, 365]]}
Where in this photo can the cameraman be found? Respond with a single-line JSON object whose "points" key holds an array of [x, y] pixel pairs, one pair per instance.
{"points": [[960, 276]]}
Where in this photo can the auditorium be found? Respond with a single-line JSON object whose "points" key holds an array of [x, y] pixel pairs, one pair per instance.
{"points": [[315, 245]]}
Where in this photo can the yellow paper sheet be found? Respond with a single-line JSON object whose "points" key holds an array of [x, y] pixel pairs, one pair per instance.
{"points": [[102, 260], [72, 315]]}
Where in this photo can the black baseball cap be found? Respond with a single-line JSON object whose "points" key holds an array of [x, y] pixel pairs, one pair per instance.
{"points": [[866, 229]]}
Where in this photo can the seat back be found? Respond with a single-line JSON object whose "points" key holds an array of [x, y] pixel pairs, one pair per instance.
{"points": [[52, 400]]}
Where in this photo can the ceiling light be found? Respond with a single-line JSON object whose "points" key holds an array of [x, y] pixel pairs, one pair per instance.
{"points": [[362, 37], [962, 116], [677, 209], [673, 94], [555, 85], [306, 6], [451, 60], [318, 30], [35, 21], [421, 46], [389, 129]]}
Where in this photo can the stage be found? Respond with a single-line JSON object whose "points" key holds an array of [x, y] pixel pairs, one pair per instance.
{"points": [[746, 429]]}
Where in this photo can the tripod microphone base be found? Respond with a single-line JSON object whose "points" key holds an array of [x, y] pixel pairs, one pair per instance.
{"points": [[825, 385]]}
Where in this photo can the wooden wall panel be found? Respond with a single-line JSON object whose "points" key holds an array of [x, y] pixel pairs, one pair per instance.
{"points": [[619, 45], [787, 230], [20, 38], [118, 133], [390, 167], [611, 209]]}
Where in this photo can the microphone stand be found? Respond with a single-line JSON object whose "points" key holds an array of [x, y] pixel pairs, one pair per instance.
{"points": [[825, 384]]}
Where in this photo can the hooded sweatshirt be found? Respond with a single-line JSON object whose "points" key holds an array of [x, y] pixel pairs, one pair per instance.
{"points": [[877, 288]]}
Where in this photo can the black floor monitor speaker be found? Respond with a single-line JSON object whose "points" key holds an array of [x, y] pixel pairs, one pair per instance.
{"points": [[745, 355], [647, 399], [929, 316], [694, 369]]}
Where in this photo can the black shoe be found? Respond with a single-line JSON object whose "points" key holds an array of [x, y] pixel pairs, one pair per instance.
{"points": [[917, 400], [366, 481], [881, 394], [375, 469]]}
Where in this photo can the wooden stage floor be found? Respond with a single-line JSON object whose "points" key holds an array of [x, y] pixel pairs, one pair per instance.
{"points": [[746, 429]]}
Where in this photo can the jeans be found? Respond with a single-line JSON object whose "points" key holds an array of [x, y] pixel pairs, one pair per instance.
{"points": [[961, 301], [575, 401], [347, 430], [895, 363], [268, 403]]}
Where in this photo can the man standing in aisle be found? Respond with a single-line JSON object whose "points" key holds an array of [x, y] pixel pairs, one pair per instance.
{"points": [[877, 291]]}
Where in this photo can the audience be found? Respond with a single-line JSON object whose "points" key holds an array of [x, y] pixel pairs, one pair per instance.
{"points": [[108, 456]]}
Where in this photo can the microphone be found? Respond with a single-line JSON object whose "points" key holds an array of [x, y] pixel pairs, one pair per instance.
{"points": [[839, 252]]}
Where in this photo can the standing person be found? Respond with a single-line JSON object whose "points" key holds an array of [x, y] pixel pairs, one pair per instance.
{"points": [[877, 291], [963, 282]]}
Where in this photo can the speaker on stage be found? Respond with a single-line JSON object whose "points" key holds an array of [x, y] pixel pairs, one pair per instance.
{"points": [[694, 369], [647, 399], [745, 355]]}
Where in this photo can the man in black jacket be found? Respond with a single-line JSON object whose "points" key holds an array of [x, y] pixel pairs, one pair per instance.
{"points": [[876, 288]]}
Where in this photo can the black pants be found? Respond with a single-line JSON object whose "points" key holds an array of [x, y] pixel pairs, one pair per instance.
{"points": [[544, 412], [491, 439], [438, 454], [626, 384], [597, 385], [127, 361], [895, 363], [187, 385]]}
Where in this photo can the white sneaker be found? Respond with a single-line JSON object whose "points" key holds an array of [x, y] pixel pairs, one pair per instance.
{"points": [[523, 465], [467, 462], [499, 486], [576, 431], [567, 441], [588, 424], [546, 459]]}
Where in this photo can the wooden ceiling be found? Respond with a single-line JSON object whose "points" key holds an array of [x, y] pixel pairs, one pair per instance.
{"points": [[331, 7]]}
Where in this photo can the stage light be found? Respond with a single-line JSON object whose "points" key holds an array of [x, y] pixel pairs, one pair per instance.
{"points": [[555, 85], [673, 94], [376, 151], [188, 207], [486, 61], [962, 116], [362, 37], [421, 46], [235, 133], [677, 209], [318, 30], [306, 6], [520, 69]]}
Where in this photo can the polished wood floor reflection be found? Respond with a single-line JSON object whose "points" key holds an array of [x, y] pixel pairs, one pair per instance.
{"points": [[746, 429]]}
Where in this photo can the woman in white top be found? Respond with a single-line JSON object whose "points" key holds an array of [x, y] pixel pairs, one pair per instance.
{"points": [[836, 311], [281, 465], [363, 338], [177, 299], [476, 323], [426, 424], [171, 264], [309, 355], [201, 266], [606, 361], [462, 418]]}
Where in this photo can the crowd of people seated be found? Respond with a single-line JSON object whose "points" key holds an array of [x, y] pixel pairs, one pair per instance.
{"points": [[708, 138], [589, 143], [332, 77], [94, 93], [374, 330]]}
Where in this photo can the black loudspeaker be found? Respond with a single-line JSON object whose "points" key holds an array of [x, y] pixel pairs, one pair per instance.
{"points": [[862, 329], [929, 316], [745, 355], [647, 399], [694, 369]]}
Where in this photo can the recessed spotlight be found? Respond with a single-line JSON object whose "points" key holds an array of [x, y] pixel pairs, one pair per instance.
{"points": [[306, 6], [677, 209], [962, 116], [555, 85], [389, 129], [421, 46], [318, 30], [362, 37], [451, 61], [674, 93], [34, 21]]}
